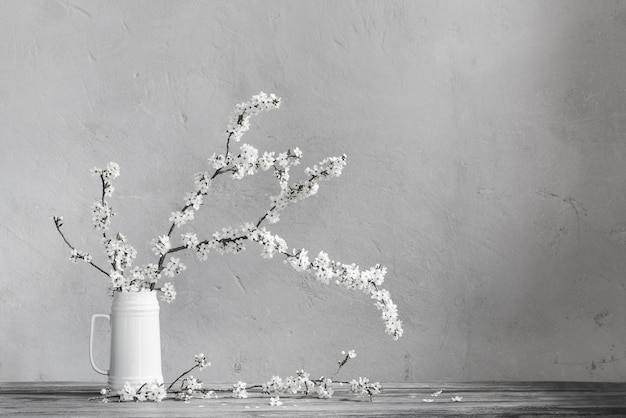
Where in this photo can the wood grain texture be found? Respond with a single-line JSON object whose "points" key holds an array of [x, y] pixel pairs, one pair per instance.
{"points": [[478, 399]]}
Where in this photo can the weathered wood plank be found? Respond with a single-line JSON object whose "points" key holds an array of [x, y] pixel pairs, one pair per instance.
{"points": [[478, 399]]}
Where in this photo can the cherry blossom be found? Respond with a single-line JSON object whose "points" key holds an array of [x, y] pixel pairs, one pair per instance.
{"points": [[246, 161]]}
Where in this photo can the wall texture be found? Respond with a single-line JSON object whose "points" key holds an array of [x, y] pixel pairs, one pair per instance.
{"points": [[485, 142]]}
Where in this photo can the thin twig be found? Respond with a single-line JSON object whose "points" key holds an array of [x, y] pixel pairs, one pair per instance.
{"points": [[58, 227], [180, 377]]}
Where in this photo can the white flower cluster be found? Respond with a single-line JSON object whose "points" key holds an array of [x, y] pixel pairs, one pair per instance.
{"points": [[147, 274], [154, 392], [218, 161], [112, 171], [180, 218], [101, 211], [161, 245], [190, 240], [118, 282], [174, 267], [272, 244], [239, 121], [201, 361], [188, 387], [120, 253], [300, 383], [80, 255], [194, 200], [329, 167], [246, 162], [364, 387], [324, 390], [209, 395], [203, 183], [239, 390], [290, 193], [142, 278], [349, 354], [228, 241], [101, 214], [169, 293]]}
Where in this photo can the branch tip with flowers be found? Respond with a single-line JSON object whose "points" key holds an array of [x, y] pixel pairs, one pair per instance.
{"points": [[246, 162]]}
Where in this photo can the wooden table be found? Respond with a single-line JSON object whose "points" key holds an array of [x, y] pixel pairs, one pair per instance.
{"points": [[477, 399]]}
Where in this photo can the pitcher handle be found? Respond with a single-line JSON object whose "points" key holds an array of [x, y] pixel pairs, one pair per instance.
{"points": [[93, 322]]}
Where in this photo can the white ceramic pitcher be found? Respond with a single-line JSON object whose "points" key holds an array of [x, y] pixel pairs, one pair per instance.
{"points": [[135, 340]]}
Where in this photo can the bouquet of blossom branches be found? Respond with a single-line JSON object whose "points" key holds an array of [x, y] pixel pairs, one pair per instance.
{"points": [[245, 162]]}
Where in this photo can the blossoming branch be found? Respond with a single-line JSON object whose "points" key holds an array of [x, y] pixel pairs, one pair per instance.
{"points": [[245, 162], [191, 387]]}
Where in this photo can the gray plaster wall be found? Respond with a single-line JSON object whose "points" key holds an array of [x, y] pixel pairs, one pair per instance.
{"points": [[485, 143]]}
